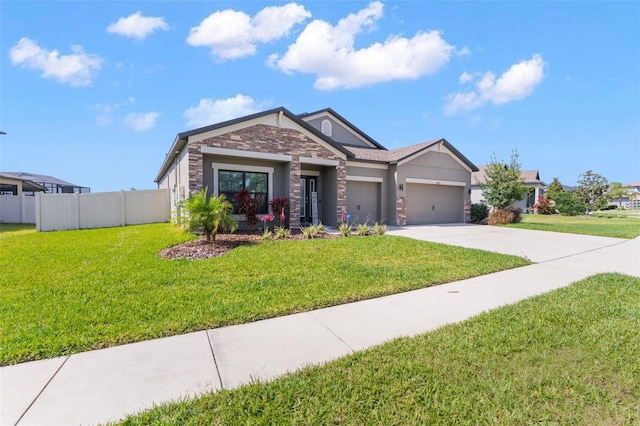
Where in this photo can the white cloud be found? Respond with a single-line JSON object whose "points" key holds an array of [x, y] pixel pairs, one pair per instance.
{"points": [[141, 121], [211, 111], [465, 77], [328, 51], [107, 110], [516, 83], [137, 26], [76, 69], [232, 34]]}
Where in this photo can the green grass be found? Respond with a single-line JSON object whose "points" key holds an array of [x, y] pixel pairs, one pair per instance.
{"points": [[66, 292], [618, 227], [570, 357]]}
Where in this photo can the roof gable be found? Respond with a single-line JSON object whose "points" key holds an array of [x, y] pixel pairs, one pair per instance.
{"points": [[183, 138], [351, 135], [528, 176], [407, 153]]}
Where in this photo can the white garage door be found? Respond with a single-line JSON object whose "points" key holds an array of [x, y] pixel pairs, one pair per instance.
{"points": [[434, 204], [363, 201]]}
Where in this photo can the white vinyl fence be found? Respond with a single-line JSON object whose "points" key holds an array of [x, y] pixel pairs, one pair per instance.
{"points": [[17, 209], [57, 212]]}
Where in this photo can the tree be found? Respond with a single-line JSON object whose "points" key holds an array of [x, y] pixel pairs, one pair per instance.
{"points": [[616, 190], [211, 215], [554, 189], [504, 183], [592, 191]]}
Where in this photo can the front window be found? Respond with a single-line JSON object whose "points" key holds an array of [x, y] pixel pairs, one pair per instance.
{"points": [[231, 182]]}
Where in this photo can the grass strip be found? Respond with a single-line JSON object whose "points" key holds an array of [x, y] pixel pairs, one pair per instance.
{"points": [[72, 291], [567, 357], [616, 227]]}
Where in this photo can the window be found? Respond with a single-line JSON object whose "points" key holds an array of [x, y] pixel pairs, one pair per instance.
{"points": [[230, 182], [326, 127], [7, 189]]}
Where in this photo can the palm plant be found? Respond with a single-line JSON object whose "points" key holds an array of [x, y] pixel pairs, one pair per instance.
{"points": [[211, 215]]}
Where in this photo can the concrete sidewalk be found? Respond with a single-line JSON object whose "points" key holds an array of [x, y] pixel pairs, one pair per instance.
{"points": [[105, 385]]}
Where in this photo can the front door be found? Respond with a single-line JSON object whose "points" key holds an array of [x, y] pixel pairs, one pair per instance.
{"points": [[308, 187]]}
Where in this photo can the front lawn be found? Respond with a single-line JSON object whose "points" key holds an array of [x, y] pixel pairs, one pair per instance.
{"points": [[71, 291], [569, 357], [618, 227]]}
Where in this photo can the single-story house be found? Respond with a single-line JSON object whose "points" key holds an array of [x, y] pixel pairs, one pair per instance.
{"points": [[325, 166], [10, 184], [50, 184], [531, 179]]}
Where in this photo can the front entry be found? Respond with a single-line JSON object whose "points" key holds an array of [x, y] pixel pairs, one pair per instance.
{"points": [[308, 199]]}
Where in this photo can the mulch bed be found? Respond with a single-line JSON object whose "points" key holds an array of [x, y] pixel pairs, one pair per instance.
{"points": [[224, 243]]}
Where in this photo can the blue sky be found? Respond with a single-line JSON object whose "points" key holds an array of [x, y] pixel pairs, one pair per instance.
{"points": [[95, 92]]}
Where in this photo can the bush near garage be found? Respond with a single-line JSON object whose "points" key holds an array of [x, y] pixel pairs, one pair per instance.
{"points": [[504, 216], [479, 211]]}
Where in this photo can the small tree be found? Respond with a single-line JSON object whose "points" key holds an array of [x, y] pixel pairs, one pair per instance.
{"points": [[592, 191], [211, 215], [504, 183], [554, 188]]}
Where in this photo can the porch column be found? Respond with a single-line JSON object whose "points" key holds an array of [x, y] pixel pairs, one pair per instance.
{"points": [[294, 192], [196, 172], [341, 172]]}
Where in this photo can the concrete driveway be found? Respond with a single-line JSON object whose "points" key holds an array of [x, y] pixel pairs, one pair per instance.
{"points": [[537, 246]]}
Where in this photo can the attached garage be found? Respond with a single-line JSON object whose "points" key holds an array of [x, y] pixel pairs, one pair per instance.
{"points": [[363, 201], [431, 203]]}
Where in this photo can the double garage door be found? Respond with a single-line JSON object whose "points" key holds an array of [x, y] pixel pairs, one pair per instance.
{"points": [[434, 204]]}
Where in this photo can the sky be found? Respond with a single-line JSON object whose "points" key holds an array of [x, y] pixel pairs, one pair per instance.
{"points": [[94, 92]]}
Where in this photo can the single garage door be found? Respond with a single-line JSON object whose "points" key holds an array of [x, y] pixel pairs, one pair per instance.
{"points": [[363, 201], [434, 204]]}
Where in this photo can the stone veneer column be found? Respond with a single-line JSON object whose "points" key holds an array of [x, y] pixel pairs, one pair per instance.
{"points": [[467, 211], [294, 192], [341, 172], [195, 170], [401, 211]]}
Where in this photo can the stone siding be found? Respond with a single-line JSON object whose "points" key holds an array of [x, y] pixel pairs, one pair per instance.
{"points": [[273, 140]]}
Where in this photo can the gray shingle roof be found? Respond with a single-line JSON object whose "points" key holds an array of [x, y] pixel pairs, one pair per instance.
{"points": [[530, 176]]}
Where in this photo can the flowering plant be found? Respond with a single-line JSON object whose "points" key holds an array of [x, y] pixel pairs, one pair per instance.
{"points": [[248, 206], [279, 205]]}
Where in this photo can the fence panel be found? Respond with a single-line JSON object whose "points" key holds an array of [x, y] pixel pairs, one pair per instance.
{"points": [[56, 212], [10, 209], [100, 210], [144, 206]]}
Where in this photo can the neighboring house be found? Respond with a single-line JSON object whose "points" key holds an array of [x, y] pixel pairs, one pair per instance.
{"points": [[49, 183], [325, 165], [632, 202], [12, 185], [531, 180]]}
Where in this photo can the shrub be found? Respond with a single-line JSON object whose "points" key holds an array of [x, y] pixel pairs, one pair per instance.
{"points": [[544, 205], [248, 206], [313, 231], [567, 205], [379, 229], [503, 216], [479, 211], [345, 229], [362, 229], [210, 215], [279, 206], [281, 233]]}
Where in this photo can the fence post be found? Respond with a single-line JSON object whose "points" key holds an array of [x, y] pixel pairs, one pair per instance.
{"points": [[123, 210], [38, 225], [76, 197]]}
